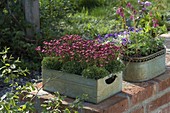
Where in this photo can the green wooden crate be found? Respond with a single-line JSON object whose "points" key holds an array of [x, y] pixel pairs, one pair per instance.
{"points": [[73, 85]]}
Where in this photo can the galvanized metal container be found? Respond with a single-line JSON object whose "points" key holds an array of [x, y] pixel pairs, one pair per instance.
{"points": [[73, 85], [140, 69]]}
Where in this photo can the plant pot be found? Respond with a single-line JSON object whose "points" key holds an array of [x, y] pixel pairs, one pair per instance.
{"points": [[73, 85], [140, 69]]}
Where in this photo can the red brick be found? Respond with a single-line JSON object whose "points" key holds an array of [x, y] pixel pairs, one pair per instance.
{"points": [[139, 92], [114, 104], [163, 80], [118, 107], [164, 99], [138, 110]]}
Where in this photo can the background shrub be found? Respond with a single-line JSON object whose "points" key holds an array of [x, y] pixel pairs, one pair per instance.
{"points": [[91, 3]]}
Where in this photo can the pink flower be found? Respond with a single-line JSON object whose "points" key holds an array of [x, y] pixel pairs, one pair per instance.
{"points": [[120, 11], [131, 17], [155, 22], [38, 48], [73, 47], [130, 6]]}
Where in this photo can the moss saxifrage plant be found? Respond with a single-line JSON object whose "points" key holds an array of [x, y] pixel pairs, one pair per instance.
{"points": [[73, 51]]}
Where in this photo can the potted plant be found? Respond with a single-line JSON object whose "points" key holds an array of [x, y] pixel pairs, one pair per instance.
{"points": [[144, 52], [74, 66]]}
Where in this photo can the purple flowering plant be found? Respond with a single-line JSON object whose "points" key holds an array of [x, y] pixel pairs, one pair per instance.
{"points": [[140, 35]]}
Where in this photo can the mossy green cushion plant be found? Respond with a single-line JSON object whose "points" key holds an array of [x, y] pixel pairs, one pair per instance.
{"points": [[51, 63], [115, 66], [73, 67], [95, 72]]}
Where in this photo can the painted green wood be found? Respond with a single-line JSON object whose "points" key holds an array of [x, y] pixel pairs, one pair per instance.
{"points": [[143, 71], [73, 85]]}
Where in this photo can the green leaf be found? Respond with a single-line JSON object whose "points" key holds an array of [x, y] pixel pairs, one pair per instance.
{"points": [[29, 96], [12, 102], [7, 107], [7, 64], [6, 80], [13, 66], [67, 110], [4, 96], [24, 107], [2, 67], [17, 61], [4, 57]]}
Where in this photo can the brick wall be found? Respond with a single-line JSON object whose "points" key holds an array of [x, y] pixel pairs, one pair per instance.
{"points": [[152, 96]]}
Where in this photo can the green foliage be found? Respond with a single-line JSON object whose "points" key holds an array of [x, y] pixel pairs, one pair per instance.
{"points": [[10, 69], [10, 102], [12, 33], [94, 72], [51, 63], [90, 3], [54, 105], [75, 19], [90, 24], [54, 16], [114, 66], [19, 99], [143, 43], [73, 67], [14, 102], [147, 17], [12, 21]]}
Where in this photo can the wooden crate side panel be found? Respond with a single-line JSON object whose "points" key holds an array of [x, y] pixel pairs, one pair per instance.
{"points": [[73, 85]]}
